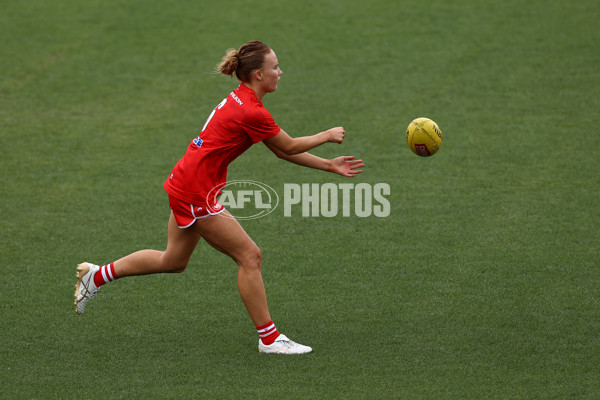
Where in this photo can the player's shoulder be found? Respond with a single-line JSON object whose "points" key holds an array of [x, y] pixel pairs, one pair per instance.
{"points": [[246, 99], [258, 114]]}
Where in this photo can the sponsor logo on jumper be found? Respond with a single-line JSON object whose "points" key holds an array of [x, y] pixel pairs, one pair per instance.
{"points": [[198, 142], [237, 99]]}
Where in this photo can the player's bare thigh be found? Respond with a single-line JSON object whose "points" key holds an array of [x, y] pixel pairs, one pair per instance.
{"points": [[180, 246], [225, 234]]}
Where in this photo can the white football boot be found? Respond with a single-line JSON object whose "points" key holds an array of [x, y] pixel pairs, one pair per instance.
{"points": [[85, 288], [283, 345]]}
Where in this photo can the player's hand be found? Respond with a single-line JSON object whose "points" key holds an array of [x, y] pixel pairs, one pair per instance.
{"points": [[336, 135], [346, 166]]}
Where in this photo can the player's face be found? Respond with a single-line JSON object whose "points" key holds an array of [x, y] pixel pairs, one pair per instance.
{"points": [[271, 73]]}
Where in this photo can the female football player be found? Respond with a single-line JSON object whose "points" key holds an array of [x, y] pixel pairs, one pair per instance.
{"points": [[239, 121]]}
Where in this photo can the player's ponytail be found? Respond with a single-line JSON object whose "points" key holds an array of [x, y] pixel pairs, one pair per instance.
{"points": [[229, 63], [242, 62]]}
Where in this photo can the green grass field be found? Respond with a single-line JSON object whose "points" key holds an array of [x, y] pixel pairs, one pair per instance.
{"points": [[483, 283]]}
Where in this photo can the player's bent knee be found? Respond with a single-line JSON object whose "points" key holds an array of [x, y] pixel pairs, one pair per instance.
{"points": [[178, 270], [251, 259], [173, 266]]}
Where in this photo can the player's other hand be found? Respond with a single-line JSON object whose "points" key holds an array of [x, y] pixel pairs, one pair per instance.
{"points": [[336, 135], [346, 166]]}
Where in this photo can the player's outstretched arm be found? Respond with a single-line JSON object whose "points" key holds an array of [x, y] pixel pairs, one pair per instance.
{"points": [[343, 165], [290, 146]]}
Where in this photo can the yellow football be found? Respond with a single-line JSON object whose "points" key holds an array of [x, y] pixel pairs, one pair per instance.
{"points": [[424, 137]]}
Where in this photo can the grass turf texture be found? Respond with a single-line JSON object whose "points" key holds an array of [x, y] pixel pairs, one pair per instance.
{"points": [[482, 283]]}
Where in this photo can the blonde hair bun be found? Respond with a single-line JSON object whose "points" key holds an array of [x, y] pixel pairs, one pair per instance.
{"points": [[229, 63]]}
